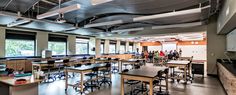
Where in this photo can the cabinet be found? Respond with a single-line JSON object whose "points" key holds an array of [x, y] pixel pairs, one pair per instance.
{"points": [[18, 64], [230, 41]]}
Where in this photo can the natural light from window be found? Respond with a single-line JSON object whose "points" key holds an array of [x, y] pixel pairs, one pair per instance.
{"points": [[16, 48], [58, 48]]}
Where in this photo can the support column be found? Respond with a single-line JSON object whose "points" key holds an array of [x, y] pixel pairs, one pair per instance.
{"points": [[106, 46], [98, 47], [71, 44], [41, 42], [127, 46], [92, 42], [118, 46], [2, 41]]}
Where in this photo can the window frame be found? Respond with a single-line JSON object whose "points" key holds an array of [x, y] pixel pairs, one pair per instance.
{"points": [[58, 42], [20, 35], [110, 47], [81, 43]]}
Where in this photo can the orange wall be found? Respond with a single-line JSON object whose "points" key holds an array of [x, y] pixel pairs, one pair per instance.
{"points": [[150, 44], [192, 42], [204, 42]]}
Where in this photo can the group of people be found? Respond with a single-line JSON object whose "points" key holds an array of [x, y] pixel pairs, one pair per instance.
{"points": [[153, 56]]}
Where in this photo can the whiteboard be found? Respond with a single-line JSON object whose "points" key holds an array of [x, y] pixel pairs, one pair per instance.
{"points": [[197, 51], [154, 48], [168, 46]]}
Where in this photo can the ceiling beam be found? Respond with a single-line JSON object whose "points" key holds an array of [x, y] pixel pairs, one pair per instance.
{"points": [[46, 1], [58, 11], [182, 25], [150, 17], [103, 23], [18, 22], [170, 14]]}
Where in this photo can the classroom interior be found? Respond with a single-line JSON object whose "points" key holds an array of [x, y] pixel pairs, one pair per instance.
{"points": [[118, 47]]}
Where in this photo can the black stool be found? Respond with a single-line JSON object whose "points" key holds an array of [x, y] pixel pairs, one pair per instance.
{"points": [[93, 83]]}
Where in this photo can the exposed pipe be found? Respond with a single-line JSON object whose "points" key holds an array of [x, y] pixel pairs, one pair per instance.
{"points": [[7, 4]]}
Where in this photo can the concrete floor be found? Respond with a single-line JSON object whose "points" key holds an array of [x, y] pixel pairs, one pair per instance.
{"points": [[200, 86]]}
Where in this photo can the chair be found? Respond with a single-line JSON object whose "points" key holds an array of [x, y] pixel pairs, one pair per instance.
{"points": [[77, 65], [87, 64], [189, 67], [105, 72], [92, 83], [131, 83], [161, 76], [50, 67], [65, 64]]}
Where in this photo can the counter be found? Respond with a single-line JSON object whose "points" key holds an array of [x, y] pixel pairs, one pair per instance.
{"points": [[121, 56], [227, 75], [8, 86]]}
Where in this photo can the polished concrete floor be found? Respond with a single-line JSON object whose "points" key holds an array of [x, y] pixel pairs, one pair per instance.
{"points": [[200, 86]]}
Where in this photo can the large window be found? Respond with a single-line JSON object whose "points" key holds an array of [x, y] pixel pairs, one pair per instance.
{"points": [[19, 43], [16, 48], [58, 48], [57, 44], [82, 46], [112, 48]]}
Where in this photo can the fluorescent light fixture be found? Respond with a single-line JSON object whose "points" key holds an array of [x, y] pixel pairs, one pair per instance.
{"points": [[178, 25], [103, 23], [177, 13], [18, 22], [127, 30], [57, 11], [97, 2], [191, 39]]}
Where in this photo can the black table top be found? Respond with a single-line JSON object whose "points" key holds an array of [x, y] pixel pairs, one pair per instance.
{"points": [[145, 71], [86, 67]]}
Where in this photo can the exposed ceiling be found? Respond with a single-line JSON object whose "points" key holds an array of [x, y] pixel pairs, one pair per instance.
{"points": [[124, 10], [197, 36]]}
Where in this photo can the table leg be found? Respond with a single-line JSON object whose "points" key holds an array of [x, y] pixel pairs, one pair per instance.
{"points": [[121, 66], [167, 86], [185, 74], [151, 87], [122, 85], [82, 82], [66, 77]]}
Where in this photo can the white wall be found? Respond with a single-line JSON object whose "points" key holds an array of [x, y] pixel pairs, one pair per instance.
{"points": [[197, 51], [154, 48]]}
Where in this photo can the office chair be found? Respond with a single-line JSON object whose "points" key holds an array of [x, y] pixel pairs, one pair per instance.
{"points": [[105, 72]]}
